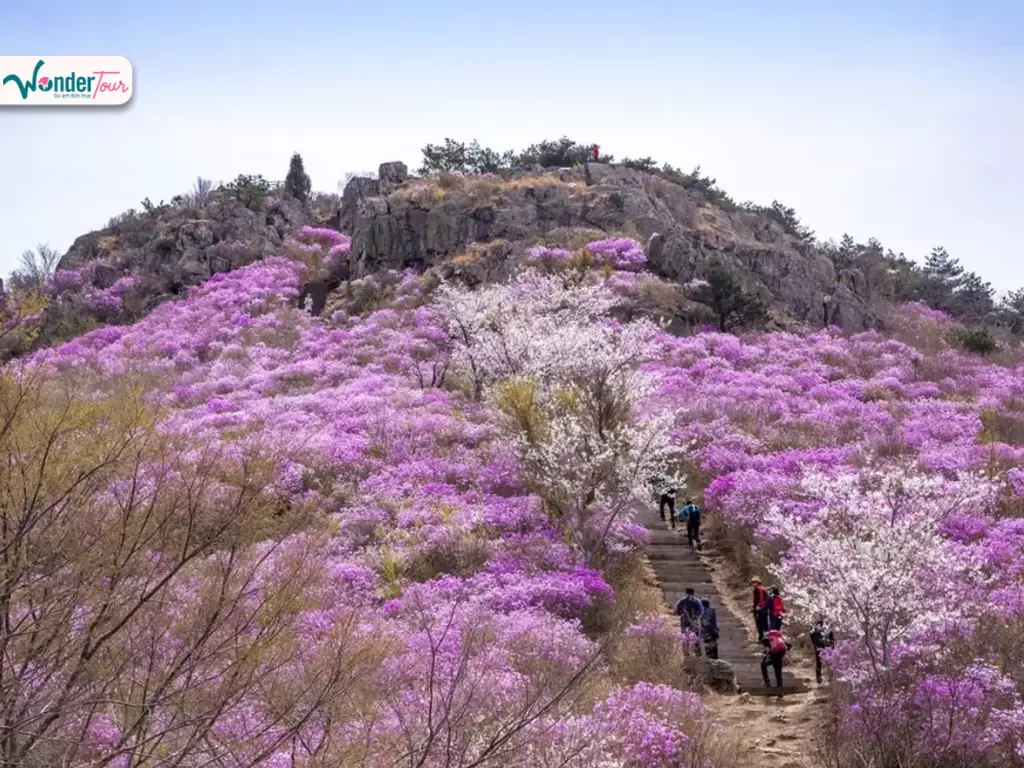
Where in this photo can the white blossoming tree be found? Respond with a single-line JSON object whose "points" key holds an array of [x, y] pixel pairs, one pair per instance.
{"points": [[568, 382], [873, 559]]}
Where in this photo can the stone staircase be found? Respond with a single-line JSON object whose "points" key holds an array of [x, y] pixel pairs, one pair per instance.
{"points": [[677, 567]]}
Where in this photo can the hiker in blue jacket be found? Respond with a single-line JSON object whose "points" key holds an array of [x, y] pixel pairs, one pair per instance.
{"points": [[692, 513]]}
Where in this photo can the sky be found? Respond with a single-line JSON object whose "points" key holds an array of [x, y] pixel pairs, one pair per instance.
{"points": [[899, 120]]}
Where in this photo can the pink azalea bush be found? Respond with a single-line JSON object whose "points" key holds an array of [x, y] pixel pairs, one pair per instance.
{"points": [[77, 285], [320, 248], [620, 253]]}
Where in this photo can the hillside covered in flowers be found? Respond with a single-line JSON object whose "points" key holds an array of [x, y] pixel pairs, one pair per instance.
{"points": [[401, 534], [880, 482]]}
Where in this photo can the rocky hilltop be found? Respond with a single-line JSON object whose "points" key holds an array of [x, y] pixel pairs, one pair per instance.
{"points": [[401, 222], [476, 227]]}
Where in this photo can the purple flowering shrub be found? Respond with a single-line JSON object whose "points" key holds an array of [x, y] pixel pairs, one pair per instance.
{"points": [[321, 249], [621, 253], [76, 289]]}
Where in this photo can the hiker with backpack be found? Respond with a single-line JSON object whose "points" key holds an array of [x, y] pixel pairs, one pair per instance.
{"points": [[761, 608], [709, 628], [775, 648], [668, 499], [692, 513], [776, 610], [689, 610], [822, 637]]}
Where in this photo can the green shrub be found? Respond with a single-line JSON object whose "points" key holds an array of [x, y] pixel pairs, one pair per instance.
{"points": [[250, 191], [976, 340]]}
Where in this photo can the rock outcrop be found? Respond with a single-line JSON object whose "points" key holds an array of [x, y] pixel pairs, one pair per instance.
{"points": [[419, 224], [176, 247]]}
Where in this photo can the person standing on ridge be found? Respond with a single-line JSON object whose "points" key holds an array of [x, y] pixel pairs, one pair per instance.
{"points": [[668, 499], [693, 513], [776, 609], [595, 152], [775, 647], [822, 636], [689, 610], [709, 628], [760, 608]]}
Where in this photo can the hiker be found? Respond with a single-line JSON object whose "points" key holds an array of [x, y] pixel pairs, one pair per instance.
{"points": [[595, 151], [777, 610], [709, 628], [760, 608], [775, 647], [668, 499], [822, 636], [689, 610], [692, 513]]}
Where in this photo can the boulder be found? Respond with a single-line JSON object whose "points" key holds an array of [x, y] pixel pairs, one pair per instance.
{"points": [[393, 173], [717, 674]]}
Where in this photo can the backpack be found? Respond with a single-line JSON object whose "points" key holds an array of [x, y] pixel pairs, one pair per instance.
{"points": [[776, 644]]}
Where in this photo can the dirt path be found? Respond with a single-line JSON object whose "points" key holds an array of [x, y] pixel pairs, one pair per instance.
{"points": [[770, 731]]}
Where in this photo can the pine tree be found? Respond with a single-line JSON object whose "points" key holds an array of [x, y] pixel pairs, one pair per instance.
{"points": [[942, 278], [847, 251], [974, 298], [450, 156], [942, 267], [297, 183]]}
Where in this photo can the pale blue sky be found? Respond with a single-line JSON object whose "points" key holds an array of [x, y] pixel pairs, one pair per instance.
{"points": [[901, 120]]}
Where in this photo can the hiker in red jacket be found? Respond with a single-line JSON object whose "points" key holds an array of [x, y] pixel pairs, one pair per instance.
{"points": [[595, 151], [775, 647], [760, 608], [776, 610]]}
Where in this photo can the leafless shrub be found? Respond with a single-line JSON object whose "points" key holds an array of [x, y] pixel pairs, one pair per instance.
{"points": [[200, 193]]}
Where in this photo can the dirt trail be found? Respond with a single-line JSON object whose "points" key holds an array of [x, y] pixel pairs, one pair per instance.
{"points": [[770, 731]]}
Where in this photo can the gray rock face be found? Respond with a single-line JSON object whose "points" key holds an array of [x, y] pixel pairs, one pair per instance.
{"points": [[358, 189], [681, 230], [394, 232]]}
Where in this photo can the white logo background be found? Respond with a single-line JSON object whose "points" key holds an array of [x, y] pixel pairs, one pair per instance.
{"points": [[104, 81]]}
